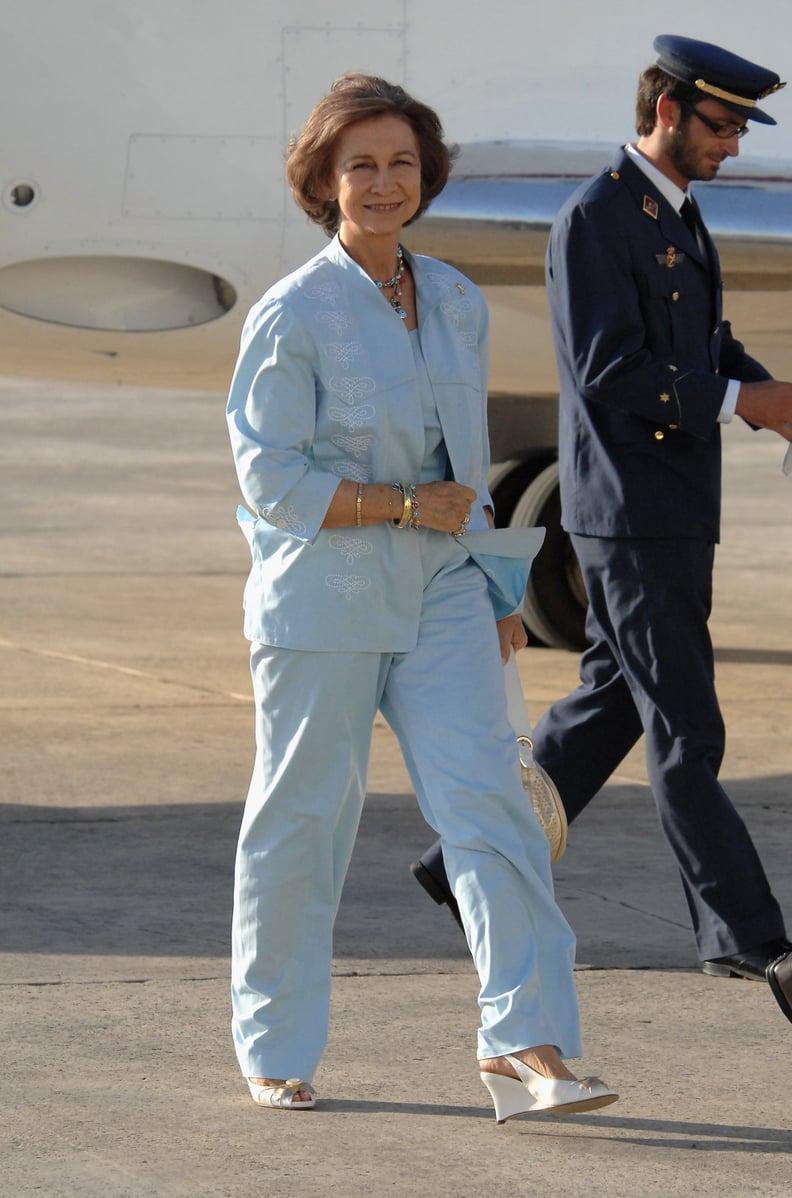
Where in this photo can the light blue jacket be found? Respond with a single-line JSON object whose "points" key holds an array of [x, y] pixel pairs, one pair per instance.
{"points": [[325, 389]]}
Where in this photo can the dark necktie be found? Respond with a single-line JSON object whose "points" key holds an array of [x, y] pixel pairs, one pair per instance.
{"points": [[688, 215]]}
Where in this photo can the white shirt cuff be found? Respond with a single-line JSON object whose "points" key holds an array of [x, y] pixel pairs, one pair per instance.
{"points": [[729, 405]]}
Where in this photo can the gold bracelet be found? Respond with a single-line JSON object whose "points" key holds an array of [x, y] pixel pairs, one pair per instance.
{"points": [[406, 515], [359, 506]]}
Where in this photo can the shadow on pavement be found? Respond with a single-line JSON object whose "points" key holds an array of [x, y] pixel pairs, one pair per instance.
{"points": [[157, 880]]}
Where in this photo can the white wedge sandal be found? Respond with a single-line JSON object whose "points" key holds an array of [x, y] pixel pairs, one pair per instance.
{"points": [[283, 1095], [530, 1093]]}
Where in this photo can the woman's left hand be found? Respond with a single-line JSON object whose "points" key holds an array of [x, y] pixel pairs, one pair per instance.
{"points": [[512, 635]]}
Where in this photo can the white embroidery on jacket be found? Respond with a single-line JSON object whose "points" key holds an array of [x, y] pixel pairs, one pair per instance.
{"points": [[357, 446], [339, 322], [349, 585], [284, 517], [345, 352], [358, 473], [351, 547], [458, 310], [353, 388], [326, 293], [353, 418]]}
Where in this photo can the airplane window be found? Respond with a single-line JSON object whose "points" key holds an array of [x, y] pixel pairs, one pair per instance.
{"points": [[22, 195]]}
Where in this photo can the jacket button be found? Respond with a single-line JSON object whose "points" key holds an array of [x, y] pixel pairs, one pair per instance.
{"points": [[675, 296], [673, 426], [659, 435], [614, 174]]}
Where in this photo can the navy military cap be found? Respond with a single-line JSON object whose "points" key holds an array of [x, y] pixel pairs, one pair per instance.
{"points": [[732, 81]]}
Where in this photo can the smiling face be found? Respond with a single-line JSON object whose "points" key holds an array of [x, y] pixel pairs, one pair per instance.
{"points": [[376, 179]]}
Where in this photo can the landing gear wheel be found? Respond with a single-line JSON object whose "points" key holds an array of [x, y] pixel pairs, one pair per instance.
{"points": [[555, 604]]}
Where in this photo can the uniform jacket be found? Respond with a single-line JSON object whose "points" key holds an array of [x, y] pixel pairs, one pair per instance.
{"points": [[325, 389], [643, 358]]}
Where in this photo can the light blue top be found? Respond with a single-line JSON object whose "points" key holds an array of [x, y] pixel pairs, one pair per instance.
{"points": [[327, 386], [435, 460]]}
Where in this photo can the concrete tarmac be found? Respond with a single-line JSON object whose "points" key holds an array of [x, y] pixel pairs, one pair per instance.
{"points": [[126, 747]]}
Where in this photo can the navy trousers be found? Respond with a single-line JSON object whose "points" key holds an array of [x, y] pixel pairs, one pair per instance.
{"points": [[649, 669]]}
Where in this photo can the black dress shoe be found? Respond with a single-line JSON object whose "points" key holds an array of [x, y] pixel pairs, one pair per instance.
{"points": [[779, 975], [429, 870], [751, 964]]}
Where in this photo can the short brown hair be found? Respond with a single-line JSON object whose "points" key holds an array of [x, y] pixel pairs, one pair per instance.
{"points": [[355, 97], [651, 85]]}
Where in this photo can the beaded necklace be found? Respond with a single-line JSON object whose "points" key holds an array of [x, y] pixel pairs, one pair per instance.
{"points": [[395, 283]]}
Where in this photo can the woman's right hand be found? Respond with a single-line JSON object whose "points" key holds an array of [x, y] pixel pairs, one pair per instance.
{"points": [[445, 506]]}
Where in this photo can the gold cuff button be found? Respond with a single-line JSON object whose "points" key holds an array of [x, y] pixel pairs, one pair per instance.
{"points": [[659, 435]]}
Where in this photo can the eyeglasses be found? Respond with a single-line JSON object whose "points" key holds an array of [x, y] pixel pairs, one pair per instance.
{"points": [[722, 131]]}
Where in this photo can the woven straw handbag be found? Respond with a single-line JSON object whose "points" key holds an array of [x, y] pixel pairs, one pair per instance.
{"points": [[537, 783]]}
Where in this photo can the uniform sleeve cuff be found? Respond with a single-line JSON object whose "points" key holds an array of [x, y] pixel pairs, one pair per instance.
{"points": [[729, 405]]}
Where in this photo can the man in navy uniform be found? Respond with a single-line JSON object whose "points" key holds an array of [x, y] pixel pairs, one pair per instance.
{"points": [[649, 371]]}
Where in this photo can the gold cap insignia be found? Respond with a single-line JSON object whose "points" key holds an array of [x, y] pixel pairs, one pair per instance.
{"points": [[735, 97]]}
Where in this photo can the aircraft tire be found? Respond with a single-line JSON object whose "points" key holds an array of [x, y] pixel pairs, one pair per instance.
{"points": [[555, 603]]}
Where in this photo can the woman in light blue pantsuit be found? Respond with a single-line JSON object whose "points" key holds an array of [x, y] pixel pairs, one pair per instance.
{"points": [[357, 415]]}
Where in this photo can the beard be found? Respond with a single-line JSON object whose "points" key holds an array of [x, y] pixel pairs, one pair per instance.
{"points": [[688, 159]]}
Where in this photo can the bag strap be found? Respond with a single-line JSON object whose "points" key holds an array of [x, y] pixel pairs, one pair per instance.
{"points": [[517, 711]]}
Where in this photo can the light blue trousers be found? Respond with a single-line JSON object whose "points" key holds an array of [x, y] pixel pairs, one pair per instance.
{"points": [[445, 701]]}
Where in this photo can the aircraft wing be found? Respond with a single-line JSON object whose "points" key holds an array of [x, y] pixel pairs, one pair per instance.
{"points": [[493, 219]]}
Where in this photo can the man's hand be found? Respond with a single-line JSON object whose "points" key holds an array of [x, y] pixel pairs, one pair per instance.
{"points": [[768, 405]]}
